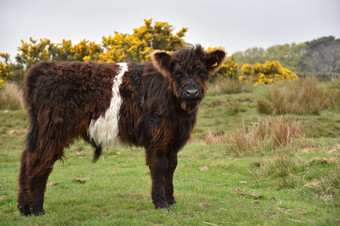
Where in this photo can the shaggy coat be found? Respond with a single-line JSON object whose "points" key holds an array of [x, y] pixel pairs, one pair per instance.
{"points": [[153, 105]]}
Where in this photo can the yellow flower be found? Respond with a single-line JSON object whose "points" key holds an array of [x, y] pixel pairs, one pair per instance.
{"points": [[86, 58], [268, 72]]}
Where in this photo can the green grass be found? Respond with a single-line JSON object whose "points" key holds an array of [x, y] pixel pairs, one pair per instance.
{"points": [[297, 184]]}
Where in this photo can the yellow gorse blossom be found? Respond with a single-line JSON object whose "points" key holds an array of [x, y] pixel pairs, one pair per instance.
{"points": [[141, 43], [266, 73], [5, 68], [136, 47]]}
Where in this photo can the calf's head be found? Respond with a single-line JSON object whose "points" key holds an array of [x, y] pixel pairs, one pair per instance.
{"points": [[188, 71]]}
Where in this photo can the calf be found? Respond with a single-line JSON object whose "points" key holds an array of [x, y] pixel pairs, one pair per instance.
{"points": [[153, 105]]}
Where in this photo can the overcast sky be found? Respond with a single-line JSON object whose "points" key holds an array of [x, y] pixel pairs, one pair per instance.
{"points": [[234, 24]]}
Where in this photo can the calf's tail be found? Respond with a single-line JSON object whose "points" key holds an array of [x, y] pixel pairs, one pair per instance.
{"points": [[32, 135], [31, 78], [97, 153]]}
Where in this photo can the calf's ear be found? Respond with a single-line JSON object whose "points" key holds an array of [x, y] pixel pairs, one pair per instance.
{"points": [[161, 61], [215, 59]]}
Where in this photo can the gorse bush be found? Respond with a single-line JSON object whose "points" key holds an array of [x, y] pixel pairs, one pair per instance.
{"points": [[307, 96], [266, 73], [142, 42], [121, 47], [5, 68], [118, 48]]}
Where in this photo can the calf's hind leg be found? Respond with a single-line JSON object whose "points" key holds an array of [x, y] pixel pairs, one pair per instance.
{"points": [[33, 176], [23, 190]]}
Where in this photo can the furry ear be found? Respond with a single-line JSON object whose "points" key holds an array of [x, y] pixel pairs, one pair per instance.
{"points": [[215, 59], [161, 61]]}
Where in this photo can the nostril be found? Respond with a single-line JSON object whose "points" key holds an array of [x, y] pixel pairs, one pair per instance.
{"points": [[192, 93]]}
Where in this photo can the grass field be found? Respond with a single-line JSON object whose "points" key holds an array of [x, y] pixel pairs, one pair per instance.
{"points": [[240, 167]]}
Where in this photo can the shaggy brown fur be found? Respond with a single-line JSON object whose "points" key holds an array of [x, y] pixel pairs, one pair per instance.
{"points": [[158, 111]]}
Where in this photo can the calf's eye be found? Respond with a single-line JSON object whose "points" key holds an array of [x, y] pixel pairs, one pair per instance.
{"points": [[202, 75], [178, 75]]}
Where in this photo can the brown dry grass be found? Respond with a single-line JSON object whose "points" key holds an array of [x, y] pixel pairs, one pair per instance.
{"points": [[273, 132], [215, 138], [307, 96], [283, 131], [12, 97], [228, 86]]}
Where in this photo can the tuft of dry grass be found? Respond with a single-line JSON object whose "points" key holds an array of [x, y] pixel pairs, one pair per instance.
{"points": [[12, 97], [273, 132], [283, 131], [307, 96], [327, 188], [293, 172], [228, 86], [215, 137], [282, 167]]}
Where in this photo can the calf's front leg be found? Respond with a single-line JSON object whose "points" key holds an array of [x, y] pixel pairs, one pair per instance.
{"points": [[168, 183], [158, 163]]}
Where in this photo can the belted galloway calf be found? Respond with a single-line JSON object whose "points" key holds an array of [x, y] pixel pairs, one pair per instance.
{"points": [[153, 105]]}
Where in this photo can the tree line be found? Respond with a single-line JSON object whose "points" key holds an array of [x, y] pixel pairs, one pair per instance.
{"points": [[321, 55]]}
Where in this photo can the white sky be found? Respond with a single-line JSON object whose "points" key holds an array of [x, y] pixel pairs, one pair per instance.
{"points": [[234, 24]]}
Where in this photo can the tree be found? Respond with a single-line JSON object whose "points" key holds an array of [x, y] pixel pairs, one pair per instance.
{"points": [[323, 56], [290, 55], [250, 56]]}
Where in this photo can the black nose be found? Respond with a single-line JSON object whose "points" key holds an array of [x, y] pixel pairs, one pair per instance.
{"points": [[192, 93]]}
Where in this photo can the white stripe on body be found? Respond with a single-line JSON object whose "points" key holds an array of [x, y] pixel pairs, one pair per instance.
{"points": [[104, 131]]}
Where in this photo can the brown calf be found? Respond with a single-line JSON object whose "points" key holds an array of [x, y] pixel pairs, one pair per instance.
{"points": [[153, 105]]}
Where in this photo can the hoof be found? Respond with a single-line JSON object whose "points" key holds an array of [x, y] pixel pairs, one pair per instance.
{"points": [[164, 207], [24, 211], [37, 212], [171, 202], [40, 213], [165, 210]]}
